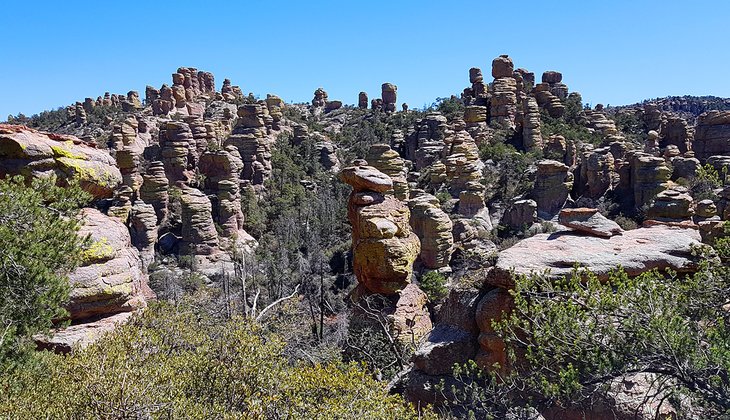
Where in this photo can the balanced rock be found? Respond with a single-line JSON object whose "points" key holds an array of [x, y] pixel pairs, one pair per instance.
{"points": [[589, 221], [384, 246]]}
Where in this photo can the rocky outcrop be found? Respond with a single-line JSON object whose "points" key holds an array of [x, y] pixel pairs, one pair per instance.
{"points": [[154, 189], [671, 205], [521, 214], [589, 221], [503, 93], [676, 132], [433, 227], [383, 244], [362, 100], [320, 98], [553, 183], [222, 171], [143, 231], [596, 173], [387, 161], [250, 138], [199, 236], [531, 135], [110, 279], [712, 135], [178, 150], [636, 251], [649, 176], [389, 93], [38, 154], [424, 145]]}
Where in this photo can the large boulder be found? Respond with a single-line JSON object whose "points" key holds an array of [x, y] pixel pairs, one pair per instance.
{"points": [[636, 251], [589, 221], [35, 153], [111, 278]]}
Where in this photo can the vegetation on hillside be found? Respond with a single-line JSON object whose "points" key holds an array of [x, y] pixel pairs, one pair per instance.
{"points": [[38, 248]]}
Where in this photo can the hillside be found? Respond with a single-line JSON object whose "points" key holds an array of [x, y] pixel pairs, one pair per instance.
{"points": [[248, 256]]}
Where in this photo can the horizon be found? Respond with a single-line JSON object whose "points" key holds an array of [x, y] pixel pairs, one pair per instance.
{"points": [[424, 49]]}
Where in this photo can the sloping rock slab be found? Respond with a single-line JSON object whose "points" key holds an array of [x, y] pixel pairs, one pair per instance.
{"points": [[637, 251], [589, 221]]}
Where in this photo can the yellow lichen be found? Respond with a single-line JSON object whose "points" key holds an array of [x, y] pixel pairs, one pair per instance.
{"points": [[61, 151], [98, 251]]}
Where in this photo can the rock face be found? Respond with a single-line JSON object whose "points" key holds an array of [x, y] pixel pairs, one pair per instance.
{"points": [[178, 150], [143, 231], [199, 236], [637, 251], [111, 279], [35, 153], [712, 135], [387, 160], [250, 138], [503, 99], [384, 246], [433, 227], [671, 205], [222, 170], [552, 186], [589, 221]]}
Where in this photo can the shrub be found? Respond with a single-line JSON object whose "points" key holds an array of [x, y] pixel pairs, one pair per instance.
{"points": [[433, 284], [179, 362], [38, 248]]}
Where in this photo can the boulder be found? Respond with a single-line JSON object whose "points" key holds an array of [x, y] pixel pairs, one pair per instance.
{"points": [[111, 278], [636, 251], [589, 221], [433, 227]]}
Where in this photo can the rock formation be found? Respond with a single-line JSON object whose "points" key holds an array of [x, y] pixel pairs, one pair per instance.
{"points": [[389, 96], [712, 135], [199, 236], [503, 93], [362, 100], [384, 246], [589, 221], [433, 227], [320, 98], [35, 153], [553, 183], [387, 161], [250, 138]]}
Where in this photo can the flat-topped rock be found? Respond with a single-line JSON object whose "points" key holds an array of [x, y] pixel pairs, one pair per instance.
{"points": [[589, 221], [366, 178], [637, 251]]}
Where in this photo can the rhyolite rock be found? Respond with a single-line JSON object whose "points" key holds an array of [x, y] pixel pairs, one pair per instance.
{"points": [[110, 279], [636, 251], [384, 246], [553, 183], [589, 221], [24, 151], [434, 228], [712, 135]]}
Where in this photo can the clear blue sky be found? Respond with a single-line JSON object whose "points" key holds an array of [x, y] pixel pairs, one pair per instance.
{"points": [[613, 52]]}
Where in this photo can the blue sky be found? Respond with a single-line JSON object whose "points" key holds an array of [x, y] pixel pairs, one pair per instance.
{"points": [[613, 52]]}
